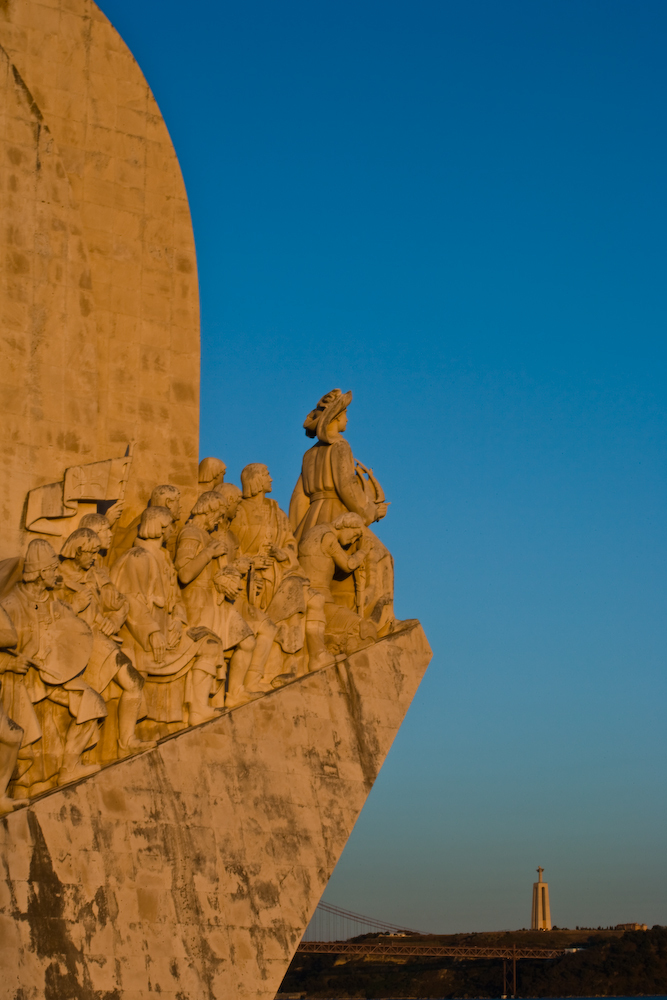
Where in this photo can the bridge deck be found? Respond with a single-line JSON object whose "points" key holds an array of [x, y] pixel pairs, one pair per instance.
{"points": [[406, 949]]}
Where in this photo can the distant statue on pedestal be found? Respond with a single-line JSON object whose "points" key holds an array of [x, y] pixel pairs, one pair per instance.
{"points": [[541, 915]]}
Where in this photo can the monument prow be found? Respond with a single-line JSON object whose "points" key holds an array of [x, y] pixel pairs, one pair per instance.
{"points": [[193, 869]]}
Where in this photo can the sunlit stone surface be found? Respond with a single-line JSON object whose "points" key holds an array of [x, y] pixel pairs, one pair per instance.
{"points": [[99, 306], [198, 689], [193, 869]]}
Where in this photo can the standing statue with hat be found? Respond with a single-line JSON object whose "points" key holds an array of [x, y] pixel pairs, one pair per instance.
{"points": [[331, 483]]}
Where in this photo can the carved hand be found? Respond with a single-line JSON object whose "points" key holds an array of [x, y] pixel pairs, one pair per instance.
{"points": [[19, 664], [158, 645], [82, 599], [381, 510], [228, 582], [261, 561], [230, 588], [115, 511], [216, 548], [107, 627], [366, 543], [278, 554]]}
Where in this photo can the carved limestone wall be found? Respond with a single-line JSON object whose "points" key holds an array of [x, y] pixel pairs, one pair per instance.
{"points": [[192, 870], [99, 311]]}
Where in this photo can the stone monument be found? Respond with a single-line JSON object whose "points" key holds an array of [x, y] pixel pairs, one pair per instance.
{"points": [[540, 919], [197, 690]]}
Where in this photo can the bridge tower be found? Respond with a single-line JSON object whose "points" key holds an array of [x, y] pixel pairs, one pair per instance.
{"points": [[541, 916]]}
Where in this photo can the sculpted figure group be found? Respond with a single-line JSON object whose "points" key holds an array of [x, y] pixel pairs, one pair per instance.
{"points": [[125, 635]]}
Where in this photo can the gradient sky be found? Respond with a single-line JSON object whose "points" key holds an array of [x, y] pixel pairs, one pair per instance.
{"points": [[458, 210]]}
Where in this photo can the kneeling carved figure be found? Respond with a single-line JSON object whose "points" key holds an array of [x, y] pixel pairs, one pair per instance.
{"points": [[343, 546]]}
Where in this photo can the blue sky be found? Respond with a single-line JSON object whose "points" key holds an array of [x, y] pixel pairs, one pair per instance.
{"points": [[458, 210]]}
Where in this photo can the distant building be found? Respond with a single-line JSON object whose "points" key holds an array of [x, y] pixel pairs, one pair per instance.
{"points": [[541, 916], [631, 927]]}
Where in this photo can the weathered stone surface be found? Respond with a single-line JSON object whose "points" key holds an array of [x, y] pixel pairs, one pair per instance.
{"points": [[191, 871], [99, 306]]}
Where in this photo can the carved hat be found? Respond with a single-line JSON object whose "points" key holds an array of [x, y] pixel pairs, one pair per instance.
{"points": [[329, 407], [40, 555]]}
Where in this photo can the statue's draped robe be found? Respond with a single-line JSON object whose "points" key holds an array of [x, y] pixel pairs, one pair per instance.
{"points": [[146, 575], [106, 602], [278, 592], [60, 645], [203, 603], [328, 486]]}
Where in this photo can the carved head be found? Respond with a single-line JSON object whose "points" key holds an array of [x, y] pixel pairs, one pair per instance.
{"points": [[349, 527], [211, 473], [209, 508], [328, 419], [255, 478], [169, 497], [231, 498], [101, 525], [40, 562], [156, 522], [82, 546]]}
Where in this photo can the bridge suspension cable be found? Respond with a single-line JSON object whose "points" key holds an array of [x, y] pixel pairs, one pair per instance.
{"points": [[332, 923]]}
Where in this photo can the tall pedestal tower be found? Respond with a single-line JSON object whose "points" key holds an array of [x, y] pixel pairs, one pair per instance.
{"points": [[541, 916]]}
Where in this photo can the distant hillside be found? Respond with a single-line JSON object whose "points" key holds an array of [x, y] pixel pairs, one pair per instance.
{"points": [[613, 963]]}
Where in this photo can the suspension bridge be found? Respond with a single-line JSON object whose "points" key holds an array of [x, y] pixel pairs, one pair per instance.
{"points": [[331, 928], [332, 923]]}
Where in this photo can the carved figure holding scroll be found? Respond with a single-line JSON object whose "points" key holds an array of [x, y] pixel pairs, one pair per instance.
{"points": [[277, 586], [94, 598], [164, 648], [54, 646], [210, 588], [332, 482], [11, 733], [341, 546]]}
